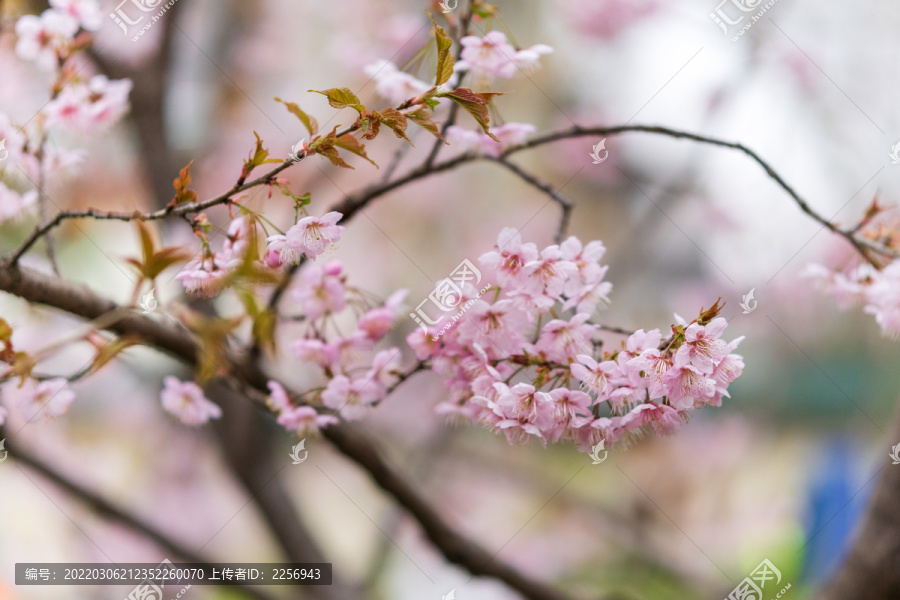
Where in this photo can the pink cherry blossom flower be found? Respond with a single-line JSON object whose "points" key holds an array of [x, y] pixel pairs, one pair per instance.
{"points": [[43, 400], [385, 368], [509, 134], [315, 351], [562, 341], [90, 107], [241, 232], [351, 399], [688, 385], [321, 290], [378, 321], [14, 205], [203, 276], [185, 400], [569, 404], [510, 256], [304, 420], [313, 235], [278, 398], [702, 346], [86, 12], [45, 38], [424, 342], [13, 142], [494, 327], [544, 279], [492, 56], [394, 85], [595, 376], [652, 365]]}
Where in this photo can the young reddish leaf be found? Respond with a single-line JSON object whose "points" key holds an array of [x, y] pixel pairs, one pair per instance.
{"points": [[22, 365], [312, 126], [155, 261], [341, 98], [445, 59], [370, 128], [332, 154], [182, 194], [475, 104], [393, 118], [422, 118], [351, 144]]}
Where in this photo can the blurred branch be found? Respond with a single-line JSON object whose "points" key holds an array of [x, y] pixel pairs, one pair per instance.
{"points": [[565, 204], [105, 509], [38, 288]]}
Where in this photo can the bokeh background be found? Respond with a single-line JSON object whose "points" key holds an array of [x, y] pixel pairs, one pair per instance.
{"points": [[782, 471]]}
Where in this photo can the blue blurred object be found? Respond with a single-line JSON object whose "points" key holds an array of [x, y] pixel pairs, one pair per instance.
{"points": [[838, 494]]}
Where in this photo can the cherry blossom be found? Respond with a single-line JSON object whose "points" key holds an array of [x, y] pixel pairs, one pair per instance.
{"points": [[393, 84], [13, 204], [86, 12], [186, 400], [311, 236], [321, 290], [42, 400], [494, 57], [89, 107], [44, 39]]}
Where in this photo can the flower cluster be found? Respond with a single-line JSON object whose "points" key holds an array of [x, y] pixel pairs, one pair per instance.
{"points": [[877, 289], [77, 104], [492, 56], [38, 400], [352, 378], [393, 84], [514, 364]]}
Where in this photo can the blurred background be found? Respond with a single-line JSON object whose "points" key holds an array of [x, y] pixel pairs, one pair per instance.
{"points": [[781, 472]]}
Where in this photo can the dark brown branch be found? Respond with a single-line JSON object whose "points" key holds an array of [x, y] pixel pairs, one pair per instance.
{"points": [[107, 510], [565, 204]]}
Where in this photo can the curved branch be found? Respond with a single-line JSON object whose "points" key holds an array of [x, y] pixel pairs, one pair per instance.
{"points": [[565, 204]]}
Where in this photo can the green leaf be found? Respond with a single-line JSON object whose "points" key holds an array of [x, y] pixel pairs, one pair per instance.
{"points": [[342, 98], [351, 144], [476, 104], [445, 59], [259, 156], [422, 118], [312, 126], [393, 118]]}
